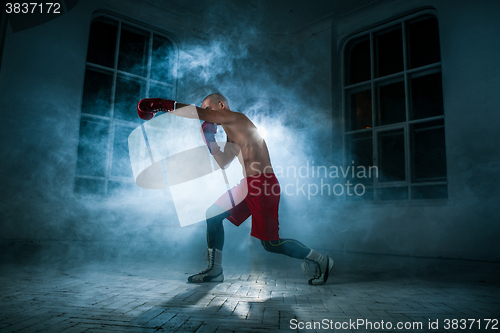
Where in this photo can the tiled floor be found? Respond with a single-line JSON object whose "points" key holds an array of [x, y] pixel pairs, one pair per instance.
{"points": [[272, 296]]}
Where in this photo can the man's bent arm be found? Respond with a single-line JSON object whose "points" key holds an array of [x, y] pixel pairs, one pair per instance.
{"points": [[225, 158]]}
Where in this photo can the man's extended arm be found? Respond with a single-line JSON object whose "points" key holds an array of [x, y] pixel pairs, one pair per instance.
{"points": [[148, 107], [221, 116]]}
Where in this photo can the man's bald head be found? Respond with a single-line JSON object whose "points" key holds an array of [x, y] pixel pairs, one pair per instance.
{"points": [[217, 98]]}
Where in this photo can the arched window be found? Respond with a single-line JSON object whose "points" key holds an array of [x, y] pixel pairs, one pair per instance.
{"points": [[393, 109], [125, 63]]}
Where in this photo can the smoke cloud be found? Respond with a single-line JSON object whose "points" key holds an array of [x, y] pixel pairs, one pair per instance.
{"points": [[281, 83]]}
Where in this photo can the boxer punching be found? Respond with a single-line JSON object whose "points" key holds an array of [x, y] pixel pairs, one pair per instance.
{"points": [[259, 200]]}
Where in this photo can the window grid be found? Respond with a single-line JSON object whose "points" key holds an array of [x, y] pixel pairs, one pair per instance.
{"points": [[376, 128], [111, 120]]}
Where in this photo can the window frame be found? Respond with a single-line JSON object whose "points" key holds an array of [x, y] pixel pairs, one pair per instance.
{"points": [[406, 75], [3, 34], [116, 74]]}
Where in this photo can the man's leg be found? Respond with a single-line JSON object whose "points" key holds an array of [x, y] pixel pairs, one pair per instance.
{"points": [[215, 242], [288, 247], [295, 249], [215, 229]]}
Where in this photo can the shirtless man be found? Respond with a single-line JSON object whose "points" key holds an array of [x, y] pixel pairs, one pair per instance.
{"points": [[262, 200]]}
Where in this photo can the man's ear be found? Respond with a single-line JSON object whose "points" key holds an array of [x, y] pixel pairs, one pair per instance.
{"points": [[222, 105]]}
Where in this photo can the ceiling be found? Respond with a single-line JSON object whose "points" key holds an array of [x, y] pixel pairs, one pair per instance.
{"points": [[271, 16]]}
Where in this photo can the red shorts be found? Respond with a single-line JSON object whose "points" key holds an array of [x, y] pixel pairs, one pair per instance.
{"points": [[261, 202]]}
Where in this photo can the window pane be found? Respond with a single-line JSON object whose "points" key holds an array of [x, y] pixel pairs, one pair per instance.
{"points": [[426, 96], [160, 90], [92, 147], [429, 192], [391, 103], [391, 155], [120, 165], [388, 51], [360, 106], [102, 42], [133, 56], [428, 151], [162, 59], [358, 60], [128, 93], [123, 188], [392, 193], [360, 154], [90, 186], [366, 196], [423, 42], [97, 93]]}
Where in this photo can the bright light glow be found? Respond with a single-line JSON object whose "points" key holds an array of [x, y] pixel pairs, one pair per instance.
{"points": [[262, 132]]}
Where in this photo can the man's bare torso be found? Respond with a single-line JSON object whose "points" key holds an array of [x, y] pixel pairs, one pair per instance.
{"points": [[243, 133]]}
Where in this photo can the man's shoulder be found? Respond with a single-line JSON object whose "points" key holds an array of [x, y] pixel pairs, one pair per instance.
{"points": [[237, 116], [240, 116]]}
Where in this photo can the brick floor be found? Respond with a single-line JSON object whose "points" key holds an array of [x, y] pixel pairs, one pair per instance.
{"points": [[148, 297]]}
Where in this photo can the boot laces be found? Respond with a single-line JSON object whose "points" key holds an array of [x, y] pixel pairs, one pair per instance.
{"points": [[317, 268], [210, 260]]}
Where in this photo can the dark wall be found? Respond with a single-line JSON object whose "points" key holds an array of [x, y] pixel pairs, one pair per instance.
{"points": [[288, 83]]}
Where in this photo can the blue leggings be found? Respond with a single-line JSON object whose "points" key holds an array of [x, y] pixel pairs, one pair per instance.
{"points": [[215, 237]]}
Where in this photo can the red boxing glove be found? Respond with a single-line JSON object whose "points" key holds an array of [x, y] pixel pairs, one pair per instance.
{"points": [[208, 131], [148, 107]]}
